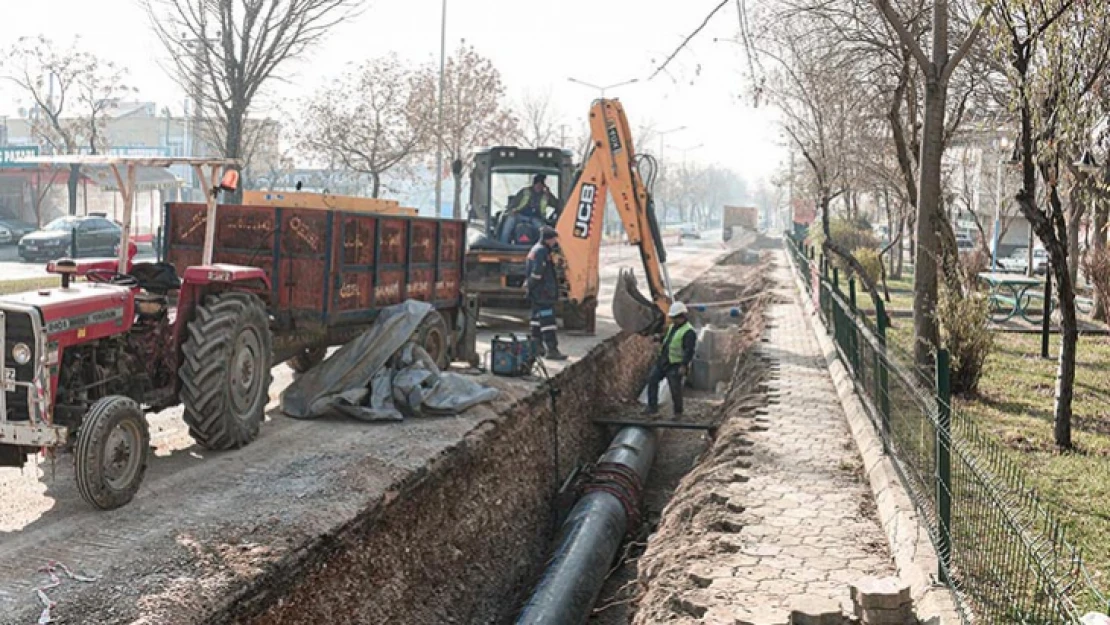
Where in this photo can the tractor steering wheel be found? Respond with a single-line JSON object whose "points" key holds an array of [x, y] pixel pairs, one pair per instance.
{"points": [[111, 277]]}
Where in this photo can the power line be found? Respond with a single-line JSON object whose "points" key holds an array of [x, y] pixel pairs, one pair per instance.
{"points": [[686, 41]]}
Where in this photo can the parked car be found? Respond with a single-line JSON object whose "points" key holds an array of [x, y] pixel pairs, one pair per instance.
{"points": [[689, 231], [1018, 261], [96, 236], [12, 230]]}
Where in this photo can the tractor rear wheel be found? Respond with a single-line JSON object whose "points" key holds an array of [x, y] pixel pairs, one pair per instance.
{"points": [[226, 371], [113, 448], [307, 359], [433, 336]]}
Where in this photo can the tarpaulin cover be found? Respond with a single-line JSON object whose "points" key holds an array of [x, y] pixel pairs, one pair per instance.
{"points": [[382, 376]]}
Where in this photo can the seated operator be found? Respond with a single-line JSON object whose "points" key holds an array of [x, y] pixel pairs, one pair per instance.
{"points": [[528, 205]]}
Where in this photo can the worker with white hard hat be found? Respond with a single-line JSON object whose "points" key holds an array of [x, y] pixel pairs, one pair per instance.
{"points": [[674, 359]]}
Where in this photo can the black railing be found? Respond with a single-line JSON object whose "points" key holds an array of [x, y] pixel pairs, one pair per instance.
{"points": [[1003, 554]]}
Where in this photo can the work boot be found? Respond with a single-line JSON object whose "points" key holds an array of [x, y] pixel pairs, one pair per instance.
{"points": [[554, 354], [649, 411]]}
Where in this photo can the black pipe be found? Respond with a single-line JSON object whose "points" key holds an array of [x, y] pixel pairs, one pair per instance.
{"points": [[593, 532]]}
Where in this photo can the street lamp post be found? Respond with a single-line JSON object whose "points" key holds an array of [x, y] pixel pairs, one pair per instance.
{"points": [[439, 106], [664, 134], [601, 88]]}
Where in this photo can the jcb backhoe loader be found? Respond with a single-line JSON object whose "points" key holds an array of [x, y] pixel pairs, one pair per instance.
{"points": [[495, 259]]}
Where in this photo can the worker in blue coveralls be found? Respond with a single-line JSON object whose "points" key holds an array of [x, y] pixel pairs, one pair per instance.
{"points": [[673, 360], [543, 294]]}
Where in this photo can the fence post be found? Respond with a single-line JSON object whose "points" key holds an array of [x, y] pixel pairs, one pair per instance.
{"points": [[73, 243], [944, 464], [1046, 321], [853, 329], [882, 378]]}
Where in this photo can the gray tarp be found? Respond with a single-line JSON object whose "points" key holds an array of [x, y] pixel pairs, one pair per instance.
{"points": [[382, 376]]}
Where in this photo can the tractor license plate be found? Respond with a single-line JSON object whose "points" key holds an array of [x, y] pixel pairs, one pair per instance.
{"points": [[9, 379]]}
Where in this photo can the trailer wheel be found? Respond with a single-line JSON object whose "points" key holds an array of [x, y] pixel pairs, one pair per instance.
{"points": [[433, 336], [226, 371], [113, 448], [307, 359]]}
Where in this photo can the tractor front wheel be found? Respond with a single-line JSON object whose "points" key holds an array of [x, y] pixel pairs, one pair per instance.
{"points": [[432, 334], [226, 371], [113, 448]]}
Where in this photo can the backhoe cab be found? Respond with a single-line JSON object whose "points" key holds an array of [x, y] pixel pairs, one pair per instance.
{"points": [[500, 234]]}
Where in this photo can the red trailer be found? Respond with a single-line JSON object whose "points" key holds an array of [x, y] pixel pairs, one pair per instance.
{"points": [[330, 272]]}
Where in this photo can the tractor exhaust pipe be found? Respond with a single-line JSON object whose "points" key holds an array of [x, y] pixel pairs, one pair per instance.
{"points": [[591, 535]]}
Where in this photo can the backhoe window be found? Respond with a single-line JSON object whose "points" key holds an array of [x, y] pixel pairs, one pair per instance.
{"points": [[504, 185]]}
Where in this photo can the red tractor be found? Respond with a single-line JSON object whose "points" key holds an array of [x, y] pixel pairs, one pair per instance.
{"points": [[84, 363]]}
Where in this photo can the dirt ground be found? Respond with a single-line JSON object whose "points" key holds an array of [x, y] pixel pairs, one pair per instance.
{"points": [[207, 527]]}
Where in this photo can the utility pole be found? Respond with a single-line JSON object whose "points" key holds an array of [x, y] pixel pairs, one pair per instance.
{"points": [[439, 114]]}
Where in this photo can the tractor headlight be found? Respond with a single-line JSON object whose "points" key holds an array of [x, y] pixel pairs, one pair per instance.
{"points": [[21, 353]]}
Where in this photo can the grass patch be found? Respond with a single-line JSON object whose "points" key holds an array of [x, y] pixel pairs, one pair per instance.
{"points": [[8, 287], [1015, 406]]}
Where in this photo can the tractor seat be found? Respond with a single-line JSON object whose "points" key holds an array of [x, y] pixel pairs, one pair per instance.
{"points": [[159, 278]]}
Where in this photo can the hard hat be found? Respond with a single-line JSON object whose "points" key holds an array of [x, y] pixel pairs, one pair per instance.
{"points": [[549, 233], [677, 308]]}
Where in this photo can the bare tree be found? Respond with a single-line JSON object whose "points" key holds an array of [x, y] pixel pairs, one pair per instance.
{"points": [[474, 110], [223, 52], [369, 119], [70, 91], [539, 121]]}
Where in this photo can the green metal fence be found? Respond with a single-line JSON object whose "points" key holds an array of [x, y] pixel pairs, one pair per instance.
{"points": [[1003, 554]]}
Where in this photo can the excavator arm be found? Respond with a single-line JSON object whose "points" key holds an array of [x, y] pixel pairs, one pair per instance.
{"points": [[611, 169]]}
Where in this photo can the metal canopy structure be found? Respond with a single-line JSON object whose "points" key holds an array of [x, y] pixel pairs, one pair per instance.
{"points": [[123, 169]]}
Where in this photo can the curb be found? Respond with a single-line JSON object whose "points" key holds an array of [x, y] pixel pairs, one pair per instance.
{"points": [[914, 556]]}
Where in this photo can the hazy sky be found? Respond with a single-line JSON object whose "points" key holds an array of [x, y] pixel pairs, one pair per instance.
{"points": [[536, 45]]}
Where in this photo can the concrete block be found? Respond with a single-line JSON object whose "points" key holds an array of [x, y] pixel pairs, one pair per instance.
{"points": [[875, 616], [885, 593], [816, 611]]}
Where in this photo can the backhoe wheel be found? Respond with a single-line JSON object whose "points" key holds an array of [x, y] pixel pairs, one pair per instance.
{"points": [[113, 448], [307, 359], [433, 336], [226, 371]]}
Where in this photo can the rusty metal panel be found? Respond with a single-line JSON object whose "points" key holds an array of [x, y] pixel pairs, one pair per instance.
{"points": [[451, 238], [354, 292], [248, 228], [186, 225], [358, 240], [424, 241], [420, 284], [304, 232], [390, 288], [447, 287], [393, 242]]}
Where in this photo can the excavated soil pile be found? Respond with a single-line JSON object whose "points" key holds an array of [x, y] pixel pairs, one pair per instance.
{"points": [[462, 537]]}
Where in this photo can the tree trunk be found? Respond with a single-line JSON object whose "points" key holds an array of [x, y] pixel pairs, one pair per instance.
{"points": [[376, 185], [74, 180], [926, 332], [1098, 242], [1075, 217], [456, 209], [233, 148]]}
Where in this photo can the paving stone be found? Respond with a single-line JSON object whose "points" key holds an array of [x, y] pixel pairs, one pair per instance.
{"points": [[785, 516], [885, 593], [816, 611]]}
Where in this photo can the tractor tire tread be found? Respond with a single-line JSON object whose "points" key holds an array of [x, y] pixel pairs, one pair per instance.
{"points": [[204, 372]]}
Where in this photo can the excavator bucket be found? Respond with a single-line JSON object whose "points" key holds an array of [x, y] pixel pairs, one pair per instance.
{"points": [[631, 310]]}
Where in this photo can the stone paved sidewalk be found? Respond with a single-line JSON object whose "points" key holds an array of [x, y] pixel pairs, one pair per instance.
{"points": [[802, 524]]}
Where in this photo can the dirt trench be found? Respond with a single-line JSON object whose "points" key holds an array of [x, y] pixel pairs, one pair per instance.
{"points": [[683, 452], [463, 537]]}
